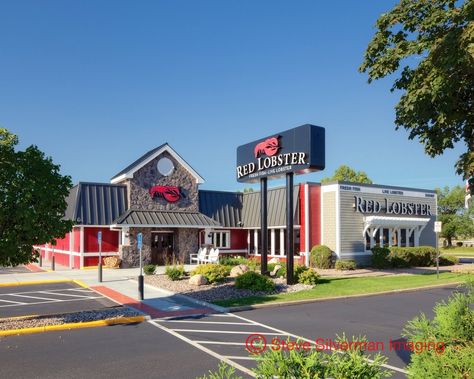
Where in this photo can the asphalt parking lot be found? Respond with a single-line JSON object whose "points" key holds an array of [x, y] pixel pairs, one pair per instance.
{"points": [[379, 318], [51, 298]]}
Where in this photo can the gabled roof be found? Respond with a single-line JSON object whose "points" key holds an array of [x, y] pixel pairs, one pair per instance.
{"points": [[96, 203], [224, 207], [127, 172], [169, 219]]}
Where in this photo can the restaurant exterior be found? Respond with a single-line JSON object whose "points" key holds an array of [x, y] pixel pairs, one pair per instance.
{"points": [[158, 195]]}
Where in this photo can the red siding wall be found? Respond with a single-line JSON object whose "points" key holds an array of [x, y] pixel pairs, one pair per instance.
{"points": [[238, 239], [63, 243], [77, 239], [315, 214], [109, 240], [302, 218]]}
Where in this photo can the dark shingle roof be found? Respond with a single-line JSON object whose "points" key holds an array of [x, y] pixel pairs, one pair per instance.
{"points": [[224, 207], [165, 218], [96, 203]]}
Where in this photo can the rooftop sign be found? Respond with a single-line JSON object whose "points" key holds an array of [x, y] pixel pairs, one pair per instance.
{"points": [[299, 150]]}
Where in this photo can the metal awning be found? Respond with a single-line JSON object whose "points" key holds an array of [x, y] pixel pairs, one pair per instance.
{"points": [[168, 219]]}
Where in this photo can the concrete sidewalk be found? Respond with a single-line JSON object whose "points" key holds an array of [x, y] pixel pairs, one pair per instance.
{"points": [[121, 285]]}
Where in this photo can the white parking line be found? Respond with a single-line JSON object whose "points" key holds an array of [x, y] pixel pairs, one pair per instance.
{"points": [[9, 301], [34, 297], [205, 349], [46, 302], [61, 294], [207, 322], [226, 332]]}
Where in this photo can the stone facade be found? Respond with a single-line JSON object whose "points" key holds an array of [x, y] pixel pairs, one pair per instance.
{"points": [[148, 176], [186, 242]]}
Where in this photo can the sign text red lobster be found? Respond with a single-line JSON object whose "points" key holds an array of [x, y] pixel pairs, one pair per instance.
{"points": [[170, 193], [270, 147]]}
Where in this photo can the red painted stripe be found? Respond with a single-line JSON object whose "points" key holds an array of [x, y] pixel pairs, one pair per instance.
{"points": [[145, 308], [34, 268]]}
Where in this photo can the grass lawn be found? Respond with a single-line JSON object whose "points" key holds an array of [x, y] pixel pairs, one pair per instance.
{"points": [[351, 286], [458, 251]]}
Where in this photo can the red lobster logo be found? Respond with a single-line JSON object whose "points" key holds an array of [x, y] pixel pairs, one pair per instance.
{"points": [[170, 193], [270, 147]]}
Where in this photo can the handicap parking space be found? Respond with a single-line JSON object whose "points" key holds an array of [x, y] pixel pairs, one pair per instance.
{"points": [[49, 298]]}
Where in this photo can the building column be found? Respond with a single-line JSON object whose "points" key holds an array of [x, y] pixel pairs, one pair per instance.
{"points": [[390, 237], [81, 247], [71, 247], [255, 241], [272, 241], [282, 241]]}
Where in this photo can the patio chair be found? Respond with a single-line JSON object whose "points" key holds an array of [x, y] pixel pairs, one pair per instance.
{"points": [[200, 257], [213, 256]]}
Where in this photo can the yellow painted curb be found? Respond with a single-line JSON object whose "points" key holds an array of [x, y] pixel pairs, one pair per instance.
{"points": [[79, 283], [76, 325], [32, 282]]}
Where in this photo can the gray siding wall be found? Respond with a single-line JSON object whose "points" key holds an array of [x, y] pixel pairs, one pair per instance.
{"points": [[352, 222]]}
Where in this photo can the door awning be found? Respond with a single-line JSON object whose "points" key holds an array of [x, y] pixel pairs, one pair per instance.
{"points": [[167, 219]]}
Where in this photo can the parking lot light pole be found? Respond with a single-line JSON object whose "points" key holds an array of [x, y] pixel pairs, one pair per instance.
{"points": [[53, 265], [99, 240], [140, 277], [437, 229]]}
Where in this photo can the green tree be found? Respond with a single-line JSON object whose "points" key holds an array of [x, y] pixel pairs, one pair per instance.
{"points": [[457, 221], [347, 174], [32, 201], [428, 45]]}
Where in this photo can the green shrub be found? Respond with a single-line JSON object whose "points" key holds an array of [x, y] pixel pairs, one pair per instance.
{"points": [[347, 264], [175, 272], [281, 273], [223, 372], [353, 363], [380, 257], [309, 277], [448, 260], [451, 335], [233, 261], [254, 264], [422, 256], [321, 257], [149, 269], [400, 256], [307, 362], [254, 281], [212, 271], [298, 270]]}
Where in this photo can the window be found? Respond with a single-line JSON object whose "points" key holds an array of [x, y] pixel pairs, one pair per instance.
{"points": [[221, 240]]}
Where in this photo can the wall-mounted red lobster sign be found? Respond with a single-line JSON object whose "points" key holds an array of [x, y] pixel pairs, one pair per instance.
{"points": [[270, 147], [170, 193]]}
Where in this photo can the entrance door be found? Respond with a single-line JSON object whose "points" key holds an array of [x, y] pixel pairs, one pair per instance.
{"points": [[162, 245]]}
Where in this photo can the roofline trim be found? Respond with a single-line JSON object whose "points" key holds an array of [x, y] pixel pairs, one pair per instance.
{"points": [[162, 226], [172, 152]]}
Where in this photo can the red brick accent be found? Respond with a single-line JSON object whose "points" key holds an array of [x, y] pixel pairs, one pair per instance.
{"points": [[34, 268]]}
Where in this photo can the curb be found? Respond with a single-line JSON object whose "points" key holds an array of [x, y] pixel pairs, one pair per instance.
{"points": [[33, 282], [307, 301], [80, 325]]}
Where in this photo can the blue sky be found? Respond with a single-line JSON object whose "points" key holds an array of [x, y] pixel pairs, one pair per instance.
{"points": [[95, 84]]}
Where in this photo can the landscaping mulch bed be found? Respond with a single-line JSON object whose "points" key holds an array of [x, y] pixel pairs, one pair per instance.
{"points": [[10, 323], [218, 291]]}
